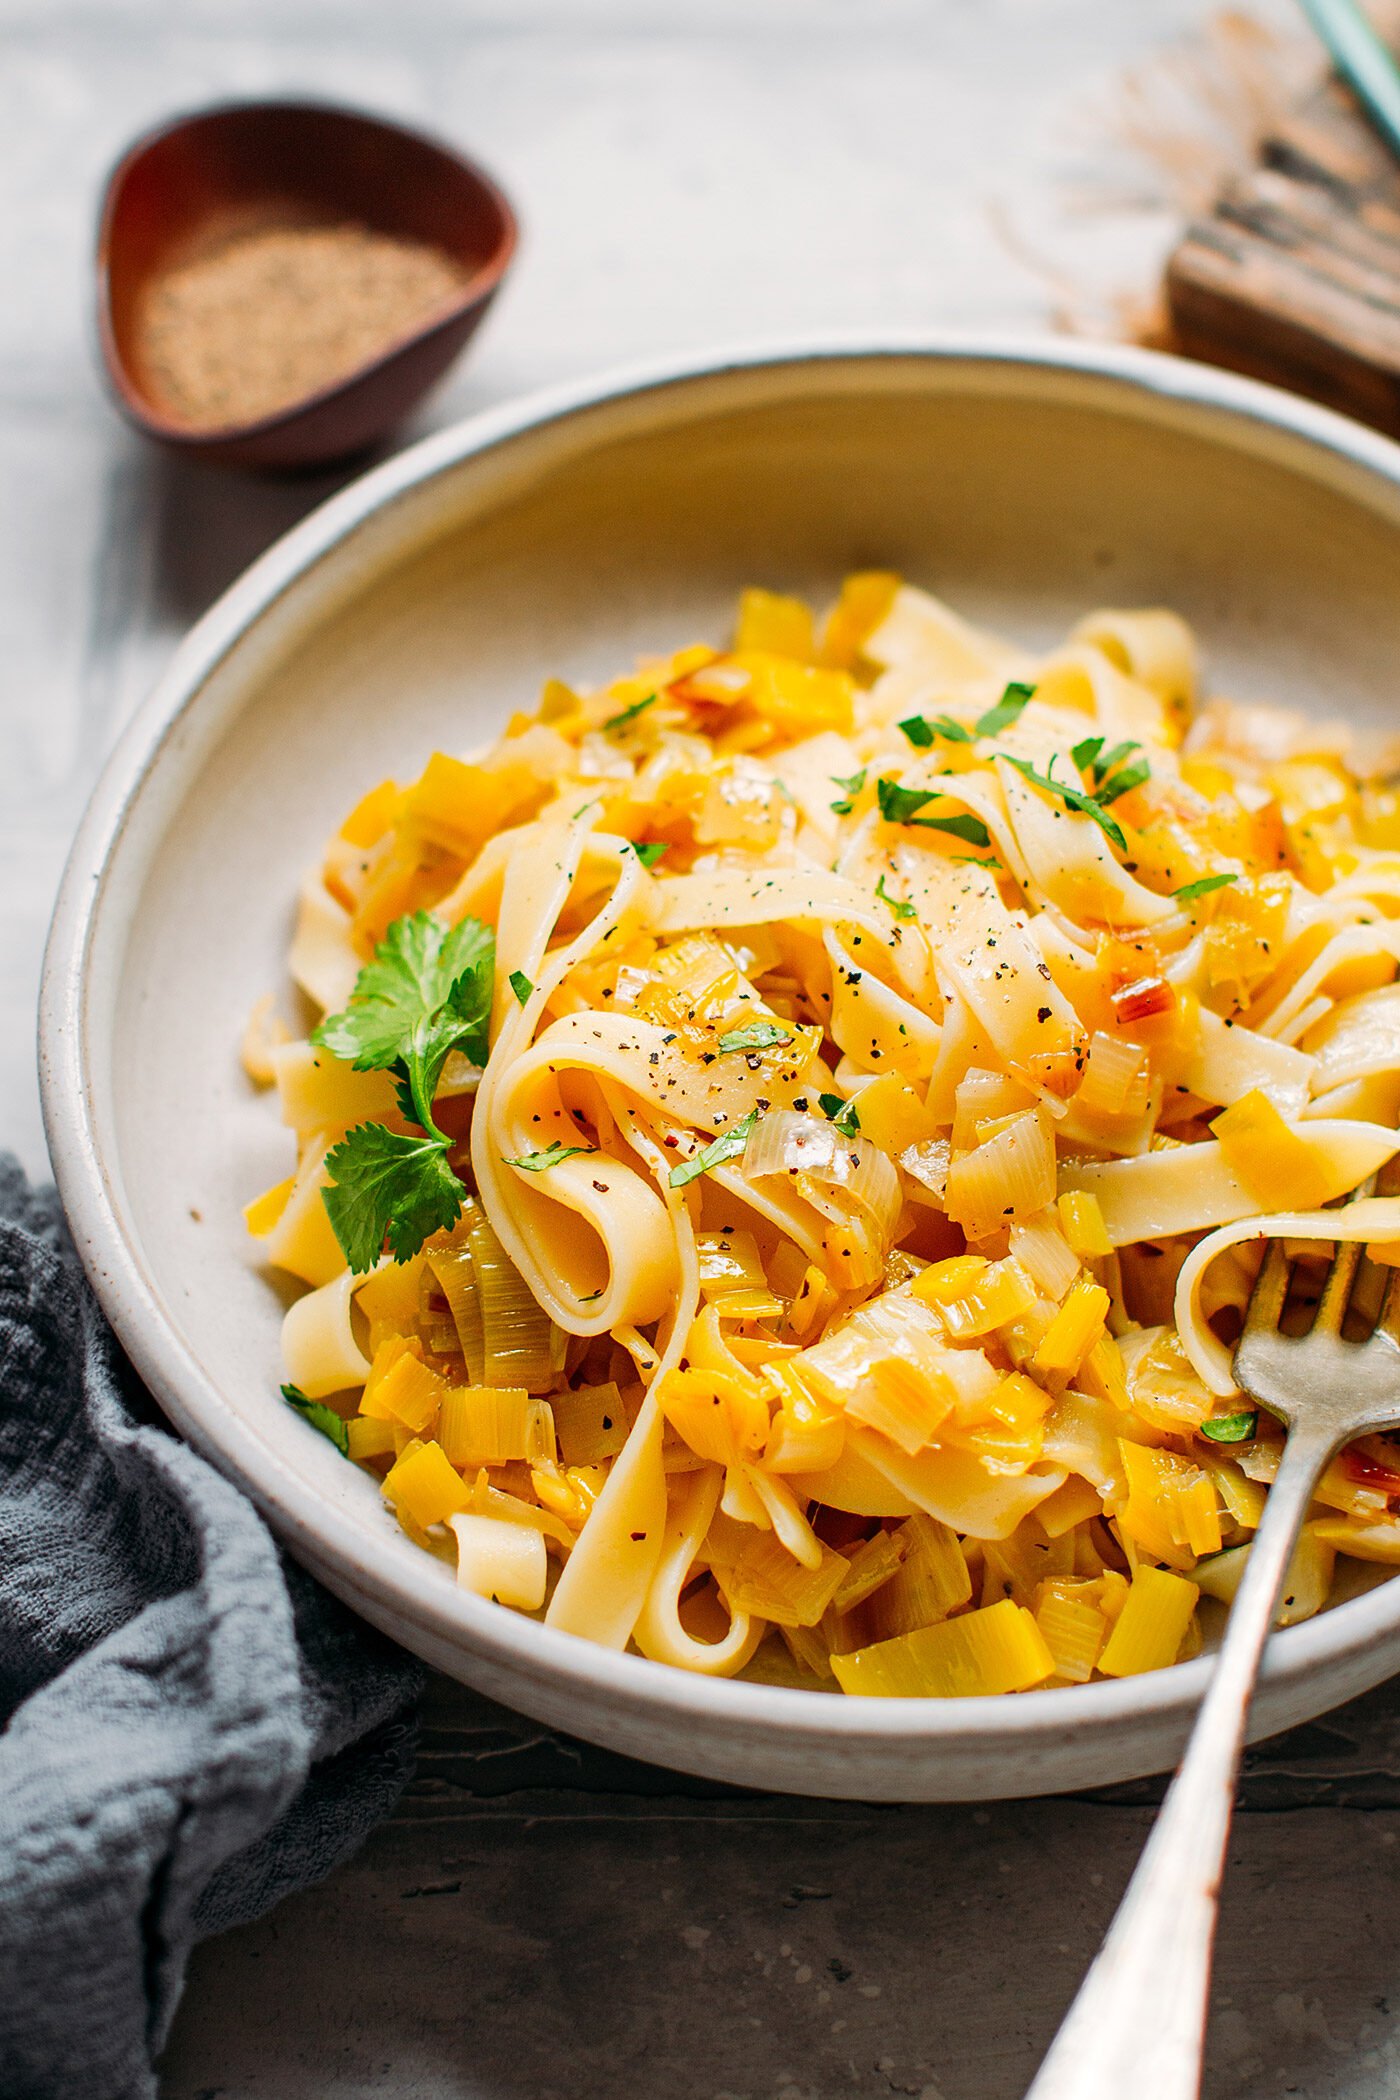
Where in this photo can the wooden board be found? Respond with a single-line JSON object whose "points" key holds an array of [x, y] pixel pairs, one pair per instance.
{"points": [[1295, 275]]}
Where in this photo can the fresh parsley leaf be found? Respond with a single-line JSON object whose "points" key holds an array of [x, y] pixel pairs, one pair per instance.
{"points": [[1084, 754], [841, 1112], [754, 1035], [1189, 891], [320, 1417], [1122, 782], [383, 1182], [1232, 1429], [897, 905], [727, 1146], [520, 985], [427, 993], [1006, 711], [649, 851], [919, 732], [971, 829], [1104, 766], [536, 1162], [1073, 798], [630, 714], [853, 785], [901, 805]]}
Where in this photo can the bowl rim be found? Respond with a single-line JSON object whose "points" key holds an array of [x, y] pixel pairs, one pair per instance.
{"points": [[476, 293], [334, 1542]]}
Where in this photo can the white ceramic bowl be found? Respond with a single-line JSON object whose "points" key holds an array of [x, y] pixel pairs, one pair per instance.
{"points": [[418, 608]]}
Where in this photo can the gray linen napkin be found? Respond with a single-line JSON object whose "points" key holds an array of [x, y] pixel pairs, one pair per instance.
{"points": [[192, 1727]]}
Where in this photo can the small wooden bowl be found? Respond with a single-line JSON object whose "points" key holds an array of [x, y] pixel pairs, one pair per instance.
{"points": [[190, 186]]}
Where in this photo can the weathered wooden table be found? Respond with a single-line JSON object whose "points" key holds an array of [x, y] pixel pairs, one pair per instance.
{"points": [[541, 1919]]}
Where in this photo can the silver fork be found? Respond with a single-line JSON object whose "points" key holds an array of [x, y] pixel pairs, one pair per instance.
{"points": [[1138, 2023]]}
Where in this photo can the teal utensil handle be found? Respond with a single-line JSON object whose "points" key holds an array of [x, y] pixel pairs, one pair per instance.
{"points": [[1362, 60]]}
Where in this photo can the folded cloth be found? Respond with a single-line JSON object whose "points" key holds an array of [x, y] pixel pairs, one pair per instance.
{"points": [[192, 1727]]}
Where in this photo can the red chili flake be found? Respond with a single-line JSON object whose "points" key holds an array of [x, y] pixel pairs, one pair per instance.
{"points": [[1142, 998]]}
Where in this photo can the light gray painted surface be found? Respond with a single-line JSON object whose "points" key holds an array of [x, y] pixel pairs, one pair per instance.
{"points": [[541, 1920]]}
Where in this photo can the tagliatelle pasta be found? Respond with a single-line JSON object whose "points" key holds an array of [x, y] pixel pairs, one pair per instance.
{"points": [[790, 1137]]}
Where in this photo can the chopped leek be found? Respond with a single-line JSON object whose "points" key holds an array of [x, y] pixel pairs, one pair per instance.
{"points": [[999, 1649]]}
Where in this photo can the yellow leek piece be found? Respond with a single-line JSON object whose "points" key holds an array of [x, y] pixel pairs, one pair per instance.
{"points": [[730, 1261], [904, 1401], [1152, 1624], [591, 1424], [893, 1117], [372, 815], [1157, 1480], [424, 1486], [1102, 1374], [1074, 1629], [798, 700], [999, 1294], [483, 1425], [864, 604], [874, 1561], [722, 1416], [369, 1438], [1276, 1165], [404, 1390], [999, 1649], [814, 1300], [1197, 1516], [769, 621], [1082, 1223], [1309, 1573], [932, 1580], [1378, 1541], [805, 1436], [944, 1282], [1076, 1327], [1071, 1505], [1011, 1176], [263, 1212], [389, 1295], [763, 1578]]}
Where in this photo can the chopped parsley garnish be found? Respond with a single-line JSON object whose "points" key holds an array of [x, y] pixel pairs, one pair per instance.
{"points": [[921, 733], [901, 805], [897, 905], [426, 994], [320, 1417], [977, 860], [841, 1112], [630, 714], [1073, 798], [1189, 891], [1110, 777], [520, 985], [754, 1035], [853, 785], [649, 851], [727, 1146], [1232, 1429], [536, 1162], [1007, 710]]}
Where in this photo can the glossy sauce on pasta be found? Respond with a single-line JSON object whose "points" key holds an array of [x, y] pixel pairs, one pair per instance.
{"points": [[898, 1043]]}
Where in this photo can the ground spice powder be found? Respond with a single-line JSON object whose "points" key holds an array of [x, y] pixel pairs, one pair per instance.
{"points": [[274, 315]]}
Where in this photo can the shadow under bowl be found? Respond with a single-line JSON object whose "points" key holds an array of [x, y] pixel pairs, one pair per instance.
{"points": [[186, 189]]}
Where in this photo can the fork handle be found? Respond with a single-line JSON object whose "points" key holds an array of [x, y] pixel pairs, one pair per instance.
{"points": [[1138, 2023]]}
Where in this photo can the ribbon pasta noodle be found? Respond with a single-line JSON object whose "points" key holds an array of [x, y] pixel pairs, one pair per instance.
{"points": [[790, 1136]]}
